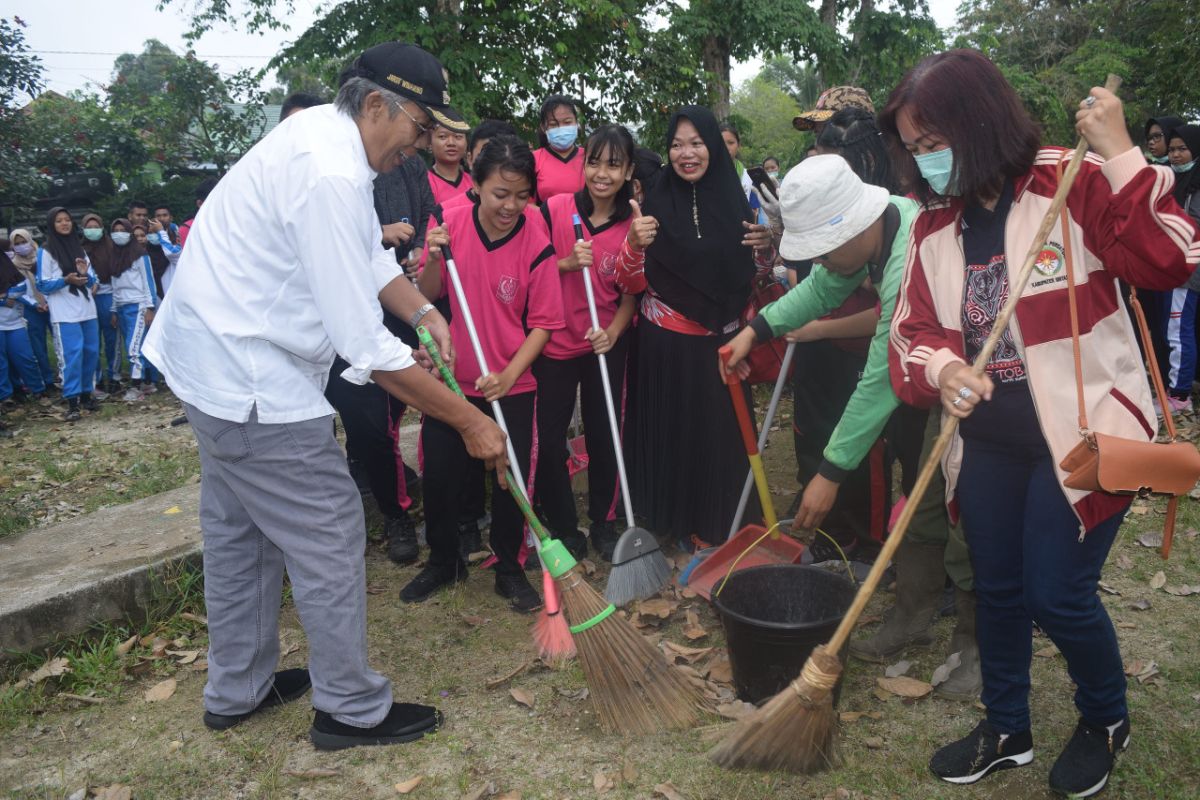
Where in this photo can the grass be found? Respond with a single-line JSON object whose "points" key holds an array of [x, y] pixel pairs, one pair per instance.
{"points": [[433, 655]]}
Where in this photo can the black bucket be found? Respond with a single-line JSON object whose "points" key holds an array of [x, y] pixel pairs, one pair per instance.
{"points": [[774, 616]]}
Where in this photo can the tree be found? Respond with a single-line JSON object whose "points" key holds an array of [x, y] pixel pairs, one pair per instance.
{"points": [[769, 110], [800, 81], [20, 73], [78, 133]]}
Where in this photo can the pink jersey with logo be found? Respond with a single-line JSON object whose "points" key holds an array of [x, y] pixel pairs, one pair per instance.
{"points": [[511, 285], [556, 174], [444, 190], [606, 239]]}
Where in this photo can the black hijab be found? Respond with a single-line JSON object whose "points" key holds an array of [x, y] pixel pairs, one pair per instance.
{"points": [[1186, 183], [65, 249], [124, 256], [707, 277], [10, 276], [99, 252]]}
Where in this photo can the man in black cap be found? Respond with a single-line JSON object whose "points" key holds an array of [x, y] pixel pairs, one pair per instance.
{"points": [[283, 269]]}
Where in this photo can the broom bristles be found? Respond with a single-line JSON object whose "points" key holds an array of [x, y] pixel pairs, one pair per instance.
{"points": [[794, 731], [639, 578], [633, 688], [551, 634]]}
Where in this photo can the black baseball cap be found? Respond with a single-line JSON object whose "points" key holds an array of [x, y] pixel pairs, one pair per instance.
{"points": [[411, 72]]}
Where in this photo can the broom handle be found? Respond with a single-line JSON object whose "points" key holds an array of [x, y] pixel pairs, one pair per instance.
{"points": [[762, 437], [950, 423], [747, 428], [608, 401], [435, 354]]}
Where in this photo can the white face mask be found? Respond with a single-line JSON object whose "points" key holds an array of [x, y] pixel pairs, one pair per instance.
{"points": [[121, 238]]}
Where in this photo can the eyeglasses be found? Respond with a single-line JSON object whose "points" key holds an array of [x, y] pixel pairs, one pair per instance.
{"points": [[422, 130], [1154, 137]]}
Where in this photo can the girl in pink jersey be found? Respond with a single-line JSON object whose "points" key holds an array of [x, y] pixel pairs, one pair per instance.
{"points": [[569, 364], [559, 160], [447, 178], [506, 265]]}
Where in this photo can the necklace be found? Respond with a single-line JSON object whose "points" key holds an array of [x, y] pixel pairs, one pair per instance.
{"points": [[695, 212]]}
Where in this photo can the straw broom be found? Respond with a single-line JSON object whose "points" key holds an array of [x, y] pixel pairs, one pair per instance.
{"points": [[631, 684], [795, 730]]}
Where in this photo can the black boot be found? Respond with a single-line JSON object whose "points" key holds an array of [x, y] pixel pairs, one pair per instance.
{"points": [[73, 409], [604, 539], [90, 403], [469, 540], [401, 535]]}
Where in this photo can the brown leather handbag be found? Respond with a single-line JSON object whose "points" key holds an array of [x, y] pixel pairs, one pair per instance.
{"points": [[1104, 463]]}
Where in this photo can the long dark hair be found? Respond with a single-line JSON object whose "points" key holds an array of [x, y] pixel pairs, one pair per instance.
{"points": [[10, 276], [963, 97], [545, 115], [64, 248], [615, 143], [506, 153], [489, 129], [853, 134]]}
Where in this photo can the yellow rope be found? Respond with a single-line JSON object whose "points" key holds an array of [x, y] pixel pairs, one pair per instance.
{"points": [[767, 533]]}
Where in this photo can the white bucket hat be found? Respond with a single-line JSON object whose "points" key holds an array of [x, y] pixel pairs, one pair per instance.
{"points": [[824, 205]]}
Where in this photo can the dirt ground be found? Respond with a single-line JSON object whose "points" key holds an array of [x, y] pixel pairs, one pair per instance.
{"points": [[453, 650]]}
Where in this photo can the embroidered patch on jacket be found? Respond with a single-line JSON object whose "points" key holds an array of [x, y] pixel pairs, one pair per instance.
{"points": [[1051, 259]]}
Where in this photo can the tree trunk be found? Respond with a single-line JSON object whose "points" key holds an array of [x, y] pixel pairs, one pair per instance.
{"points": [[715, 59]]}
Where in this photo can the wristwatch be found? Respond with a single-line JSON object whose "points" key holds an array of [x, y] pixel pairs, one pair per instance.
{"points": [[416, 318]]}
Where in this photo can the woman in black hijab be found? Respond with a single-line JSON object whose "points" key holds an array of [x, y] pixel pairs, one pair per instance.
{"points": [[691, 250]]}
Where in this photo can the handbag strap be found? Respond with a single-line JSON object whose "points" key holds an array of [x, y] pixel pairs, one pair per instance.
{"points": [[1143, 333]]}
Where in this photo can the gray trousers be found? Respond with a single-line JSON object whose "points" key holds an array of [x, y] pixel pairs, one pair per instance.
{"points": [[275, 497]]}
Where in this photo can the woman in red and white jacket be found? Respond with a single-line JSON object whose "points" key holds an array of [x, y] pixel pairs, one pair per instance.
{"points": [[1036, 546]]}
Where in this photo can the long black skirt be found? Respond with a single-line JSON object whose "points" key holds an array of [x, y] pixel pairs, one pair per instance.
{"points": [[689, 457]]}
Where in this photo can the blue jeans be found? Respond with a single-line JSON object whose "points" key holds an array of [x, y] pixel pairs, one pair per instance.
{"points": [[108, 339], [38, 323], [16, 353], [1031, 567], [77, 346]]}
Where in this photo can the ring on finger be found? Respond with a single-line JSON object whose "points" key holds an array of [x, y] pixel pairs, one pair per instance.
{"points": [[964, 393], [1091, 101], [956, 402]]}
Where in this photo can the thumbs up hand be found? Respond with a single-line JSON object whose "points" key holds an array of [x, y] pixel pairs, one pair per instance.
{"points": [[643, 229]]}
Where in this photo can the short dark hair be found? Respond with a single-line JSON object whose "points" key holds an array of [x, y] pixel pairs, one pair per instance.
{"points": [[205, 187], [616, 143], [965, 99], [545, 114], [489, 129], [137, 204], [161, 205], [770, 158], [729, 126], [507, 153], [853, 134], [647, 167], [298, 100]]}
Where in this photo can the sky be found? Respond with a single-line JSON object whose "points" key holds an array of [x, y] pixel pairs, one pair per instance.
{"points": [[78, 40]]}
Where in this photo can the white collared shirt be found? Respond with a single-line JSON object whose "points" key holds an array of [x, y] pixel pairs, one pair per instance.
{"points": [[282, 269]]}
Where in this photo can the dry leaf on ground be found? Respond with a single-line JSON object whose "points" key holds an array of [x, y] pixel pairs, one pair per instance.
{"points": [[656, 607], [1124, 561], [184, 656], [904, 686], [160, 691], [573, 694], [127, 645], [1159, 580], [720, 670], [691, 626], [688, 654], [51, 669], [509, 796], [474, 620], [312, 774], [589, 567], [603, 782], [668, 791], [1141, 604], [735, 709], [1183, 590], [1139, 509], [1142, 669], [521, 696], [118, 791], [1104, 587], [898, 669], [404, 787], [942, 673], [874, 742], [1050, 651], [495, 683], [1151, 539], [629, 772]]}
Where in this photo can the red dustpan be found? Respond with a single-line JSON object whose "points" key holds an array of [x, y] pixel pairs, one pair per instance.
{"points": [[742, 549]]}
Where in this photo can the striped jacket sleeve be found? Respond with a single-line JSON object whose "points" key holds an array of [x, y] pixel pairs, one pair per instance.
{"points": [[920, 346]]}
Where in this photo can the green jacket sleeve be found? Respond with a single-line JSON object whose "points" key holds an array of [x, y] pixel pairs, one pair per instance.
{"points": [[814, 297]]}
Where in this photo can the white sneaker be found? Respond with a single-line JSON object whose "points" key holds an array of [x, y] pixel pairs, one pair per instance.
{"points": [[132, 396], [149, 388]]}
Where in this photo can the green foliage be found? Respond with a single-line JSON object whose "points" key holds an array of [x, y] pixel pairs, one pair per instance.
{"points": [[178, 193], [769, 110], [20, 73], [800, 81], [78, 133]]}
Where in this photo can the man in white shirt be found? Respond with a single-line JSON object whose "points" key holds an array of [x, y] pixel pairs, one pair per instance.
{"points": [[283, 269]]}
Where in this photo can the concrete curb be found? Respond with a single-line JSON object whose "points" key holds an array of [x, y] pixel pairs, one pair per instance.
{"points": [[64, 579]]}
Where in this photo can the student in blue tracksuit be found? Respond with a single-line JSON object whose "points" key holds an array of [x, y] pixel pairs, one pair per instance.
{"points": [[37, 319], [15, 351], [65, 277], [99, 249], [134, 301]]}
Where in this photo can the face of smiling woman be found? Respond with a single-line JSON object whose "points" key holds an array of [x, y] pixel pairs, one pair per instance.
{"points": [[689, 154]]}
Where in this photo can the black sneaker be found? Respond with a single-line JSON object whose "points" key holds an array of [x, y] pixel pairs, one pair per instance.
{"points": [[73, 414], [90, 403], [983, 750], [520, 594], [429, 580], [604, 539], [401, 535], [406, 722], [289, 685], [1083, 768], [470, 540], [575, 542]]}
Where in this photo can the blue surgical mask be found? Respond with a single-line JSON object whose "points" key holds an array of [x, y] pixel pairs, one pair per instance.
{"points": [[121, 238], [152, 238], [93, 234], [23, 249], [562, 137], [937, 167], [1184, 167]]}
